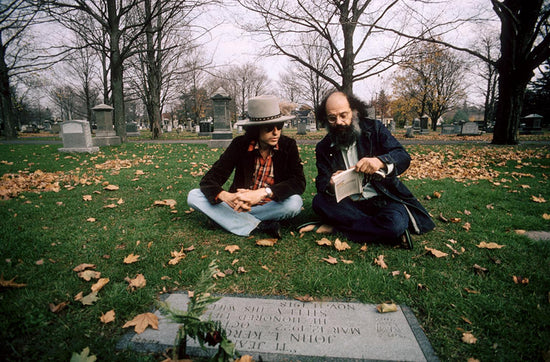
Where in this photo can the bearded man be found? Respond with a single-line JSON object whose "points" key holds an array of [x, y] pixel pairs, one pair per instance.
{"points": [[385, 210]]}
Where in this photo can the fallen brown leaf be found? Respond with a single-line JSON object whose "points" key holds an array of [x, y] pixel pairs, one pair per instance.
{"points": [[266, 242], [386, 307], [107, 317], [100, 284], [341, 245], [324, 241], [131, 259], [138, 282], [58, 308], [380, 261], [330, 260], [520, 280], [142, 321], [10, 283], [435, 252], [485, 245], [84, 266], [232, 248], [469, 338]]}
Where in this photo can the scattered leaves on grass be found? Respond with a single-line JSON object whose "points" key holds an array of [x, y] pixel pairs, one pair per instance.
{"points": [[443, 218], [485, 245], [131, 259], [241, 270], [89, 299], [83, 356], [87, 197], [346, 261], [330, 260], [380, 261], [138, 282], [266, 242], [56, 308], [341, 245], [471, 291], [142, 321], [437, 194], [546, 216], [100, 284], [364, 247], [435, 252], [111, 187], [520, 280], [324, 241], [10, 283], [107, 317], [469, 338], [91, 219], [386, 307], [467, 226], [232, 248]]}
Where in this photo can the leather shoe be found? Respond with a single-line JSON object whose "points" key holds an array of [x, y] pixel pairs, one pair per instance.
{"points": [[269, 227]]}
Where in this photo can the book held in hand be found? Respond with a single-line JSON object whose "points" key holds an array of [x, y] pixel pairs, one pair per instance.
{"points": [[350, 182]]}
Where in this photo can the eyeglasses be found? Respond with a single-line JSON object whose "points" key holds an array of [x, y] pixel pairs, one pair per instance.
{"points": [[269, 127], [333, 118]]}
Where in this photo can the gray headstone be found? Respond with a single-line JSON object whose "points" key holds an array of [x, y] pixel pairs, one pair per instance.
{"points": [[77, 137], [470, 129], [282, 329], [448, 129]]}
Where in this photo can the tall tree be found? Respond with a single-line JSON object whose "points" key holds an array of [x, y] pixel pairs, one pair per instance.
{"points": [[524, 45], [18, 55], [117, 20], [345, 28], [433, 77]]}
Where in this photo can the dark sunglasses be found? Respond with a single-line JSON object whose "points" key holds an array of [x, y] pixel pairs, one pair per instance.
{"points": [[269, 127]]}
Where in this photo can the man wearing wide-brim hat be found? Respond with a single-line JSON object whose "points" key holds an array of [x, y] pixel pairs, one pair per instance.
{"points": [[268, 181]]}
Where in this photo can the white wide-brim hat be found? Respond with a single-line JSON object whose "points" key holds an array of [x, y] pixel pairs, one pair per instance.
{"points": [[263, 110]]}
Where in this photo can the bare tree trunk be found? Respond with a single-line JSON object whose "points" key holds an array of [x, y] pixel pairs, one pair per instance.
{"points": [[117, 84], [508, 111], [154, 70], [6, 105]]}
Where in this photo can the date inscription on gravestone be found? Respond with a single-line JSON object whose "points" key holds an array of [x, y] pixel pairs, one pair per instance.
{"points": [[276, 329]]}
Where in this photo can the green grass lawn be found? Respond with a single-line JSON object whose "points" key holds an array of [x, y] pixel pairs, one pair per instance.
{"points": [[475, 193]]}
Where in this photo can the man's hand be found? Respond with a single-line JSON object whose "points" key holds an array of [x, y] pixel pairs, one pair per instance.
{"points": [[251, 197], [369, 165], [233, 200], [332, 180]]}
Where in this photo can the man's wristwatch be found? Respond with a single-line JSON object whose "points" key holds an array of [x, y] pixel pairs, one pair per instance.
{"points": [[269, 192]]}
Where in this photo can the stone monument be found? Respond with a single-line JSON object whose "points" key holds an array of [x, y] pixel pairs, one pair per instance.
{"points": [[470, 129], [222, 135], [105, 134], [277, 329], [531, 124], [77, 137], [132, 129], [424, 124]]}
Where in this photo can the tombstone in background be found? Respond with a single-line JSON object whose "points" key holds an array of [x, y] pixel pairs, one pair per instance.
{"points": [[77, 137], [409, 132], [448, 129], [416, 125], [105, 134], [424, 124], [470, 129], [132, 129], [222, 135], [531, 124], [391, 126]]}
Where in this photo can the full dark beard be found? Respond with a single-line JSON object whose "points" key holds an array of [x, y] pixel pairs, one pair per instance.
{"points": [[343, 136]]}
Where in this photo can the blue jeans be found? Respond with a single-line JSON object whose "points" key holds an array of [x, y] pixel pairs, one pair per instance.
{"points": [[378, 220], [242, 223]]}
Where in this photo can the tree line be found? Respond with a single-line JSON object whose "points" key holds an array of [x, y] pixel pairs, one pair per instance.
{"points": [[151, 53]]}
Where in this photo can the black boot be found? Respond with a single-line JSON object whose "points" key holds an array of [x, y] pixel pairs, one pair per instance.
{"points": [[269, 227]]}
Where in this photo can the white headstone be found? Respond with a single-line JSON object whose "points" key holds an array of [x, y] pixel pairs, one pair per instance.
{"points": [[77, 137]]}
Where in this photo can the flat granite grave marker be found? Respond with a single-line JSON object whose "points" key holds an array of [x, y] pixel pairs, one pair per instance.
{"points": [[291, 330]]}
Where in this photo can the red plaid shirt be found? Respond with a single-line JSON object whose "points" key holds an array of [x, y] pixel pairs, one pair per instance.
{"points": [[263, 168]]}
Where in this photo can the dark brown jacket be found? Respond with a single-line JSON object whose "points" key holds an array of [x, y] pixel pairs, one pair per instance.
{"points": [[287, 169]]}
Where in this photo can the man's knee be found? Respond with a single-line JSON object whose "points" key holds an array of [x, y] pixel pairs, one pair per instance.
{"points": [[194, 196], [293, 205]]}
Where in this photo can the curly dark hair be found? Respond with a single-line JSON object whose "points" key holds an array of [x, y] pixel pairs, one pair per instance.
{"points": [[355, 104]]}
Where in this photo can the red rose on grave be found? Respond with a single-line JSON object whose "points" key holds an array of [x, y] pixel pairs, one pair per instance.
{"points": [[213, 338]]}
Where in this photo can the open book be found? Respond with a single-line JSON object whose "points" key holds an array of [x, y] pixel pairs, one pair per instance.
{"points": [[350, 182]]}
